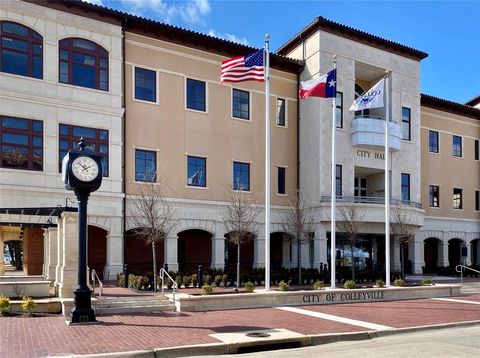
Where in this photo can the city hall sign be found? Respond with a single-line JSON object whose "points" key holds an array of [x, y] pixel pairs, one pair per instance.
{"points": [[342, 297], [368, 154]]}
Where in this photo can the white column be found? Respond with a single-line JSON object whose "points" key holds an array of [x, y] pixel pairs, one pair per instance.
{"points": [[259, 251], [218, 252], [468, 259], [69, 255], [443, 254], [397, 265], [115, 249], [288, 245], [320, 246], [419, 255], [58, 252], [45, 253], [52, 253], [170, 253], [2, 265], [305, 255]]}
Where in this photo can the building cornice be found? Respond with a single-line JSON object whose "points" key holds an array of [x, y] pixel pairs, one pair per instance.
{"points": [[449, 106], [474, 101], [322, 24]]}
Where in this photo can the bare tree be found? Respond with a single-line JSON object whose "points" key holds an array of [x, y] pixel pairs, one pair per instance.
{"points": [[350, 221], [298, 221], [240, 219], [151, 216], [402, 229]]}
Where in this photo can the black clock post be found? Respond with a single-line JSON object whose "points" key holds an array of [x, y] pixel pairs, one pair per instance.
{"points": [[82, 173]]}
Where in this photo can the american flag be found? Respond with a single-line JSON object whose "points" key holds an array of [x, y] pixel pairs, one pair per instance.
{"points": [[243, 68]]}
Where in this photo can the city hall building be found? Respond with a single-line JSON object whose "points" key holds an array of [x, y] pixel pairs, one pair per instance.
{"points": [[147, 96]]}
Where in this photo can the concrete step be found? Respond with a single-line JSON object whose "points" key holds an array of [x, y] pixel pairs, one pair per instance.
{"points": [[134, 304], [140, 309]]}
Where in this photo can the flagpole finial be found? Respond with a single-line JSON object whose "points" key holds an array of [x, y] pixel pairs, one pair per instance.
{"points": [[267, 37], [334, 56]]}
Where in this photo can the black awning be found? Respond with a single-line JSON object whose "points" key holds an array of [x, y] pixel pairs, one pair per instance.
{"points": [[42, 211], [37, 225]]}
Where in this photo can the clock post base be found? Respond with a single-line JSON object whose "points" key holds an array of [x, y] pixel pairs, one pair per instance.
{"points": [[83, 311]]}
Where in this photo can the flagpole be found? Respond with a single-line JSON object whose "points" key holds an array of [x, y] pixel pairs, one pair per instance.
{"points": [[387, 187], [267, 164], [334, 194]]}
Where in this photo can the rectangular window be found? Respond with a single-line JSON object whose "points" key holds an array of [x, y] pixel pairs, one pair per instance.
{"points": [[21, 143], [338, 181], [197, 171], [281, 180], [241, 176], [406, 116], [339, 110], [281, 122], [241, 104], [96, 139], [477, 200], [196, 95], [457, 198], [477, 149], [457, 146], [433, 141], [145, 84], [145, 165], [405, 187], [434, 196]]}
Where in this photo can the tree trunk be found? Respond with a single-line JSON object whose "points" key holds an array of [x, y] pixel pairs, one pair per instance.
{"points": [[299, 260], [238, 266], [402, 265], [353, 262], [154, 267]]}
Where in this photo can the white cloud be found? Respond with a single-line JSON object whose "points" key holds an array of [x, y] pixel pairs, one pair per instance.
{"points": [[96, 2], [229, 37], [191, 12]]}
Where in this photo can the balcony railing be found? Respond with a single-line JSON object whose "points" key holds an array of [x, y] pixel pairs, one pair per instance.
{"points": [[370, 131], [370, 200]]}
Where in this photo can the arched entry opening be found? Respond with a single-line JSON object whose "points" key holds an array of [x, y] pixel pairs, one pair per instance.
{"points": [[246, 254], [14, 253], [194, 248], [475, 247], [455, 252], [430, 254], [138, 253], [97, 250]]}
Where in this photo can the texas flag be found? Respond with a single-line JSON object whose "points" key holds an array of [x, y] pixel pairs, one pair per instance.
{"points": [[324, 86]]}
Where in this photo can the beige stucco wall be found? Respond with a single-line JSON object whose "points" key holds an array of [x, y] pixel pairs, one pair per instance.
{"points": [[176, 132], [447, 171]]}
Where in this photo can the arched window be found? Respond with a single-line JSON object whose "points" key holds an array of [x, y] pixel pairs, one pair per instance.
{"points": [[21, 50], [83, 63], [358, 92]]}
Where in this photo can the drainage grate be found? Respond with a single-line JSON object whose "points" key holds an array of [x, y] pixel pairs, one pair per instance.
{"points": [[258, 335]]}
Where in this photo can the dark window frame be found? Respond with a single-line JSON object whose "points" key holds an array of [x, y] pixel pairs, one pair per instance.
{"points": [[457, 151], [99, 53], [434, 196], [192, 103], [136, 94], [433, 141], [244, 168], [33, 38], [281, 180], [30, 147], [458, 200], [238, 113], [191, 179], [407, 122], [94, 143], [339, 107], [281, 120], [405, 187], [338, 180], [477, 200], [476, 143], [147, 175]]}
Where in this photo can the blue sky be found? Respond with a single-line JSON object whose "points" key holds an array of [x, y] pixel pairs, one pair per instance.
{"points": [[449, 31]]}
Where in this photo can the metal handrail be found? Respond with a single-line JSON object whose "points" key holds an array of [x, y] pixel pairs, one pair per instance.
{"points": [[100, 285], [369, 200], [162, 274], [460, 268]]}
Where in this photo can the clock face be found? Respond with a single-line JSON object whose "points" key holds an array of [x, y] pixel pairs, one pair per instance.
{"points": [[85, 168]]}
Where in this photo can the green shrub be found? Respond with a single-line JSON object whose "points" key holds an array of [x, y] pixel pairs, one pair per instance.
{"points": [[187, 280], [350, 285], [120, 280], [249, 287], [28, 304], [207, 289], [194, 280], [318, 285], [379, 283], [225, 280], [427, 281], [399, 282], [283, 286], [179, 280], [4, 304], [208, 279], [217, 280]]}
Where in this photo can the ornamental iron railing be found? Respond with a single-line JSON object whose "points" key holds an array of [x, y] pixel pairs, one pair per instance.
{"points": [[370, 200]]}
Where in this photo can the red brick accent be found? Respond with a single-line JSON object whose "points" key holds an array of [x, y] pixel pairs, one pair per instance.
{"points": [[138, 254], [97, 249], [33, 251]]}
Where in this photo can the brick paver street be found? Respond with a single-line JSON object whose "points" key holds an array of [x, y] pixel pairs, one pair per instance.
{"points": [[48, 336]]}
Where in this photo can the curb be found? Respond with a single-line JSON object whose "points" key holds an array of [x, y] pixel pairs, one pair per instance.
{"points": [[297, 342]]}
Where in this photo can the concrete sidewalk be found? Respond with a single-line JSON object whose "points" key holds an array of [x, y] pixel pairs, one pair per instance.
{"points": [[183, 334]]}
